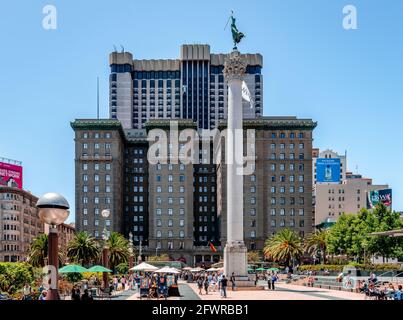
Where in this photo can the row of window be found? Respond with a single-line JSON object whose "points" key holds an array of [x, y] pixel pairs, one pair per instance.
{"points": [[170, 211], [170, 234], [97, 177], [170, 167], [301, 189], [170, 223], [96, 135], [11, 237], [97, 200], [96, 222], [96, 189], [11, 247], [97, 166], [97, 145], [158, 189], [158, 178]]}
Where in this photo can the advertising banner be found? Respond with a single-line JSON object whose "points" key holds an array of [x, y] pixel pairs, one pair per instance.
{"points": [[380, 196], [10, 175], [328, 170]]}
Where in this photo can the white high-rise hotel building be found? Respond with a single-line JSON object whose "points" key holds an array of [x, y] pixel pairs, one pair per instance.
{"points": [[191, 87]]}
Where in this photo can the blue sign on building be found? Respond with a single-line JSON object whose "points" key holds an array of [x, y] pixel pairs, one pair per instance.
{"points": [[328, 170]]}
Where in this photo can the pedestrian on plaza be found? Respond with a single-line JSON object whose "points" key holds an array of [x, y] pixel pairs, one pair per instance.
{"points": [[86, 296], [224, 283], [399, 293], [213, 282], [206, 284], [233, 282], [200, 285], [123, 280], [27, 290], [268, 282], [41, 288], [274, 278], [75, 293], [115, 283], [219, 278], [43, 295]]}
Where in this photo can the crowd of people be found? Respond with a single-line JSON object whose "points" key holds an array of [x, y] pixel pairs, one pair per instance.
{"points": [[372, 289]]}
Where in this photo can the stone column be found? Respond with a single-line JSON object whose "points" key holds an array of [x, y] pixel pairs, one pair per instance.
{"points": [[235, 253]]}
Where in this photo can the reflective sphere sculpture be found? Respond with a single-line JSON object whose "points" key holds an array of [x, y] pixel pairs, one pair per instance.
{"points": [[105, 213], [53, 208]]}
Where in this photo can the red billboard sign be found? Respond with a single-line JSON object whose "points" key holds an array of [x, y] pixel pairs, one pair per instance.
{"points": [[10, 175]]}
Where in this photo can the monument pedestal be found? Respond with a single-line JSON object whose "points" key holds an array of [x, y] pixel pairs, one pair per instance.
{"points": [[236, 260]]}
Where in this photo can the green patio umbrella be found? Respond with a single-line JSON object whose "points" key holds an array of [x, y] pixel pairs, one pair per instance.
{"points": [[250, 269], [72, 268], [273, 269], [260, 269], [99, 269]]}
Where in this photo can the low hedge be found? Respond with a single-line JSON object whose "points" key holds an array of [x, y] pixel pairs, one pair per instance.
{"points": [[370, 267]]}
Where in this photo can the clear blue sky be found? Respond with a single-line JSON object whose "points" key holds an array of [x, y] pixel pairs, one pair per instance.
{"points": [[351, 82]]}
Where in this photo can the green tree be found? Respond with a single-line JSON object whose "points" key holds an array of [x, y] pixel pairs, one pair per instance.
{"points": [[285, 246], [122, 268], [317, 241], [38, 251], [383, 219], [253, 256], [351, 234], [13, 276], [83, 248], [118, 249]]}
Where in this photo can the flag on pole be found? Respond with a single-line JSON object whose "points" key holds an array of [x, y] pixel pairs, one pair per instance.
{"points": [[246, 94], [213, 249]]}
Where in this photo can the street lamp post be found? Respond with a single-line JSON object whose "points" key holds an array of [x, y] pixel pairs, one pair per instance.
{"points": [[105, 236], [53, 210]]}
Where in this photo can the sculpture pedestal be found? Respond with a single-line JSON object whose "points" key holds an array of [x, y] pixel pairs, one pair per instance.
{"points": [[236, 260]]}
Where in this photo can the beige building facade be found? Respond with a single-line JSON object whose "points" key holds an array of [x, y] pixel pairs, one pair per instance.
{"points": [[350, 196], [19, 223]]}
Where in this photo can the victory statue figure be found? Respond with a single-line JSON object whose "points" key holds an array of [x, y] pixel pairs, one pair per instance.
{"points": [[236, 35]]}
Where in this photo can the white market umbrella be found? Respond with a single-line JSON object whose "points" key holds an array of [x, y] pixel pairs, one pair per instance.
{"points": [[187, 268], [144, 267], [167, 270], [212, 269], [198, 269]]}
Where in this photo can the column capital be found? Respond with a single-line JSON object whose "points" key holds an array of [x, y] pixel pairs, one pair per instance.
{"points": [[234, 66]]}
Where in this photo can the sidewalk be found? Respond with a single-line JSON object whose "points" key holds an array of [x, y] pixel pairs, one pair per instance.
{"points": [[283, 292]]}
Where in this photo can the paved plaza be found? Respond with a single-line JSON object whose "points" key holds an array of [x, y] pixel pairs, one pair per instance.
{"points": [[283, 291]]}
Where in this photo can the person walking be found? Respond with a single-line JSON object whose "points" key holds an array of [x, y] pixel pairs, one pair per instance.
{"points": [[75, 293], [224, 283], [43, 295], [233, 282], [206, 284], [398, 295], [268, 277], [27, 290], [219, 278], [200, 285], [86, 296], [274, 278]]}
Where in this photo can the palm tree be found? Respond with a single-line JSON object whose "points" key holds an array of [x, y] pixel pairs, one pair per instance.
{"points": [[38, 251], [317, 241], [285, 245], [83, 248], [118, 249]]}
